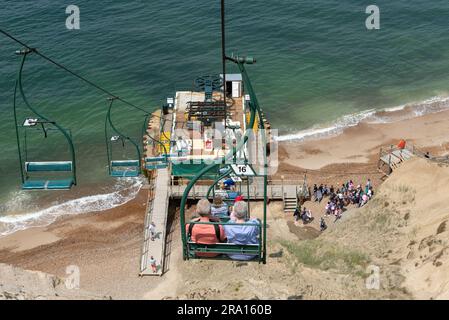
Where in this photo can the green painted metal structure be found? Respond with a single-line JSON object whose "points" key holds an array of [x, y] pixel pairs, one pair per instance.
{"points": [[190, 249], [120, 168], [27, 168]]}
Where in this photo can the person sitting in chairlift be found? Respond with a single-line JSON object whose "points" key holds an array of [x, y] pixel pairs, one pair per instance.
{"points": [[229, 184], [205, 233], [246, 233], [219, 207]]}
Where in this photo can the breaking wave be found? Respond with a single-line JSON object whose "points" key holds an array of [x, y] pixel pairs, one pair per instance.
{"points": [[125, 191], [387, 115]]}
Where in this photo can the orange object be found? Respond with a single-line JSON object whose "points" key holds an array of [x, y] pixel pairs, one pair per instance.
{"points": [[401, 144], [205, 234]]}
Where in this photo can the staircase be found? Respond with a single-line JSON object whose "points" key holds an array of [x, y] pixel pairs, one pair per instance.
{"points": [[290, 198], [391, 159]]}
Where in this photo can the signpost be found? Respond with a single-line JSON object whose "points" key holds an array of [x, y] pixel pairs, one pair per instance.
{"points": [[243, 170]]}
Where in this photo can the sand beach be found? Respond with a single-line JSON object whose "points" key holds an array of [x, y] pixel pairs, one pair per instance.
{"points": [[106, 245]]}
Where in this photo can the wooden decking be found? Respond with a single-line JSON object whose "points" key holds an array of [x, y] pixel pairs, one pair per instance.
{"points": [[256, 191], [157, 210]]}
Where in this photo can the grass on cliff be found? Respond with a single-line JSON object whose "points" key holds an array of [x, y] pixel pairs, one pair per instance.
{"points": [[323, 255]]}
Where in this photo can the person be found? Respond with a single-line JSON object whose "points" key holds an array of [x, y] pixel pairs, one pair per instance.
{"points": [[367, 186], [181, 146], [228, 184], [402, 143], [297, 214], [370, 193], [246, 233], [205, 233], [309, 215], [306, 215], [364, 200], [325, 190], [152, 229], [238, 198], [323, 225], [319, 195], [153, 265], [351, 185], [327, 208], [219, 207]]}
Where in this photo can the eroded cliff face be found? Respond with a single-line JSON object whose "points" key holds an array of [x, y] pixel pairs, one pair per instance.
{"points": [[20, 284]]}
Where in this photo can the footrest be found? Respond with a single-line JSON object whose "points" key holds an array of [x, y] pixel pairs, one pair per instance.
{"points": [[124, 173], [64, 184], [125, 163], [155, 159], [156, 166]]}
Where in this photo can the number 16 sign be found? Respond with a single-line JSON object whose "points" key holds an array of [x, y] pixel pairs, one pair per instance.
{"points": [[243, 170]]}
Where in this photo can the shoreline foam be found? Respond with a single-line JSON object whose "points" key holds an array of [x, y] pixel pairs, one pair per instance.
{"points": [[94, 203], [371, 116]]}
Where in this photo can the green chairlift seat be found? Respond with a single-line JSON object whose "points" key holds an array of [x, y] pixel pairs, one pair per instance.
{"points": [[154, 163], [125, 168], [193, 248], [221, 248], [48, 184]]}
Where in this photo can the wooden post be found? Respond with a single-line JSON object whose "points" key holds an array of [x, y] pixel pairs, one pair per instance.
{"points": [[282, 183], [389, 158]]}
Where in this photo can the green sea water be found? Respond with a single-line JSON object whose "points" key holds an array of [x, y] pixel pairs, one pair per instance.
{"points": [[316, 63]]}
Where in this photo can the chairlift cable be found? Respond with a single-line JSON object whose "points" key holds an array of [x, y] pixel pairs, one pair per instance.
{"points": [[73, 73]]}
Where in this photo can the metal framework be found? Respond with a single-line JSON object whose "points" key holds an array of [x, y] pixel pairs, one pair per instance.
{"points": [[128, 168], [47, 166], [255, 111], [207, 112]]}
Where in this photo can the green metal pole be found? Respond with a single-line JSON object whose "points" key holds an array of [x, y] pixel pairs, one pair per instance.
{"points": [[17, 133], [265, 184], [247, 190], [216, 181], [106, 136]]}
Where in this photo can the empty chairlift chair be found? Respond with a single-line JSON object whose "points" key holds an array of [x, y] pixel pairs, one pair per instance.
{"points": [[48, 167], [154, 163], [123, 168], [41, 175]]}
